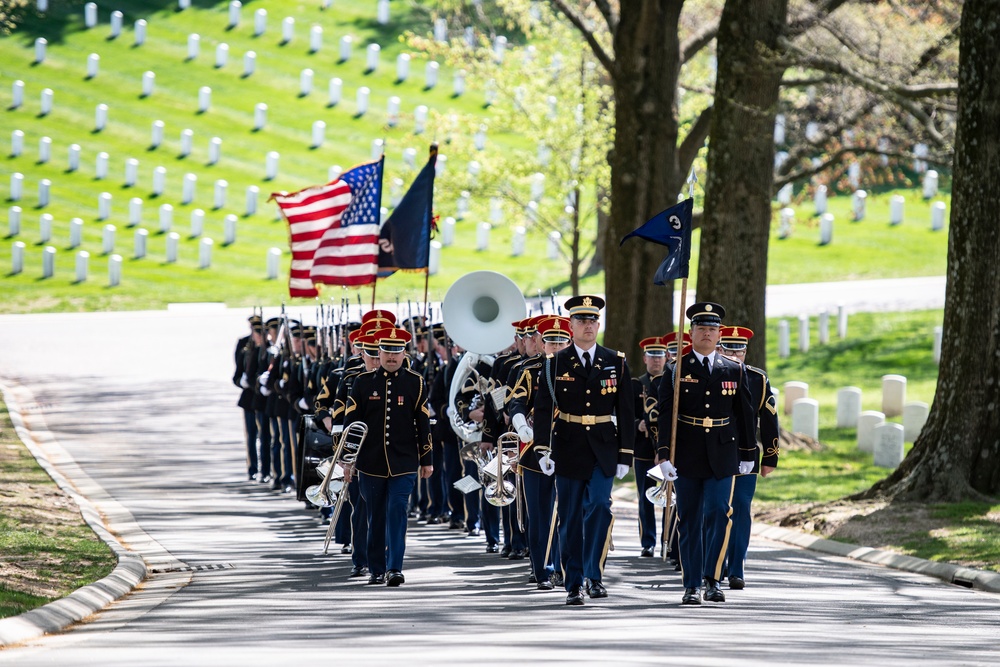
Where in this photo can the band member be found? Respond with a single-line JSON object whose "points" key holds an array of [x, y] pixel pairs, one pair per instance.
{"points": [[583, 390], [715, 442], [671, 339], [645, 390], [537, 467], [245, 357], [392, 402], [734, 343]]}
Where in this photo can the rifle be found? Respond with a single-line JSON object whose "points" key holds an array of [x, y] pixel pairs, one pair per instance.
{"points": [[552, 300]]}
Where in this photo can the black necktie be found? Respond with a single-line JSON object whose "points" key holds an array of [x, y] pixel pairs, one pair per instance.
{"points": [[708, 369], [586, 362]]}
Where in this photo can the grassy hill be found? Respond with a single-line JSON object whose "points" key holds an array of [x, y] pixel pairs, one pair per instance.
{"points": [[238, 275]]}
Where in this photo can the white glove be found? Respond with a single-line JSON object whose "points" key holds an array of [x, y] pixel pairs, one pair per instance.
{"points": [[303, 405], [668, 470], [520, 424], [264, 378], [244, 382], [264, 390], [281, 383], [621, 471], [547, 465], [746, 467]]}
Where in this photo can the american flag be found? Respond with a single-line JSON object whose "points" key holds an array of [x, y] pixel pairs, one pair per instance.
{"points": [[334, 230]]}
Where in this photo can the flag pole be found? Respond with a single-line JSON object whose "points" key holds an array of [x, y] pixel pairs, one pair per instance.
{"points": [[427, 270], [664, 538], [374, 285]]}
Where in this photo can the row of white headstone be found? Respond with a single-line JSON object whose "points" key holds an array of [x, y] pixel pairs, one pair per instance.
{"points": [[166, 223], [858, 204], [823, 328]]}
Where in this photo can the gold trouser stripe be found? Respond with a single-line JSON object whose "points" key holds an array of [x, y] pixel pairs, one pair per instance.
{"points": [[607, 546], [717, 574]]}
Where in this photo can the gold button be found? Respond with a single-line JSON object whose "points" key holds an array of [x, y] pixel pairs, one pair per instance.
{"points": [[587, 427], [708, 430], [588, 391], [708, 393], [588, 405]]}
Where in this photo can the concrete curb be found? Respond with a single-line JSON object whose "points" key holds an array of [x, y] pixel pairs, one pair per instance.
{"points": [[952, 574], [128, 573]]}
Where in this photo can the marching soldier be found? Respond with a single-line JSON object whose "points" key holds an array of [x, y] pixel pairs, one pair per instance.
{"points": [[245, 357], [392, 402], [734, 344], [715, 442], [645, 390], [584, 389]]}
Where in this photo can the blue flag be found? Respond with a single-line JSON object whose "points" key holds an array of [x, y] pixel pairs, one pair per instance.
{"points": [[671, 228], [405, 238]]}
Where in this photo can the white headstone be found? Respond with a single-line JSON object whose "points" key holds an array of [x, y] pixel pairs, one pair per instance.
{"points": [[42, 6], [334, 172], [930, 184], [273, 261], [45, 104], [812, 131], [531, 212], [336, 90], [410, 157], [938, 212], [805, 417], [893, 395], [197, 223], [823, 327], [82, 264], [17, 257], [785, 227], [16, 143], [363, 94], [826, 229], [204, 99], [794, 391], [156, 133], [867, 421], [229, 229], [253, 193], [188, 188], [315, 38], [14, 220], [854, 175], [820, 199], [440, 30], [159, 180], [371, 57], [44, 150], [44, 192], [440, 163], [100, 117], [259, 22], [187, 142], [803, 333], [148, 82], [249, 63], [346, 45], [93, 65], [214, 150], [537, 186], [16, 186], [183, 4], [479, 140], [234, 13], [116, 24], [104, 206], [920, 151], [915, 415], [48, 262], [517, 241], [287, 29], [221, 55], [17, 94], [114, 270], [499, 46], [305, 82], [139, 243], [448, 232], [219, 198], [173, 241], [131, 172], [271, 165], [888, 445], [896, 203], [431, 74], [108, 239], [848, 407], [90, 14], [402, 67], [458, 83], [784, 340], [101, 166], [553, 250], [936, 350], [474, 168], [434, 259], [462, 206], [419, 119], [490, 92], [166, 218], [205, 253], [259, 116], [858, 201], [194, 45], [496, 210], [140, 32], [75, 232], [45, 227], [483, 236], [378, 147], [382, 12], [779, 129], [841, 321], [134, 211]]}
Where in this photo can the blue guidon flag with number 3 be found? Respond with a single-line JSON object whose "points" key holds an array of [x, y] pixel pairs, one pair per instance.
{"points": [[671, 228]]}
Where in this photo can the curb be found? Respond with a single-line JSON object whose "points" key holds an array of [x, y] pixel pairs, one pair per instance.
{"points": [[127, 575]]}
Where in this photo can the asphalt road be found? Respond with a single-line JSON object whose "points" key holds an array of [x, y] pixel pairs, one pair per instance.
{"points": [[142, 402]]}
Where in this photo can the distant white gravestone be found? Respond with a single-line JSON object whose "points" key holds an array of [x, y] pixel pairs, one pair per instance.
{"points": [[867, 421], [915, 415], [794, 391], [893, 395], [848, 407], [805, 417]]}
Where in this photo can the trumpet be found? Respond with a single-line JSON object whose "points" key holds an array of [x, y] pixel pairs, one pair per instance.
{"points": [[500, 492]]}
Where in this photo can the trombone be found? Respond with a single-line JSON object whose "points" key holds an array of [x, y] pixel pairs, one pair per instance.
{"points": [[325, 494]]}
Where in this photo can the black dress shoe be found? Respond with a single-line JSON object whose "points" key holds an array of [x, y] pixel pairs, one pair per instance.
{"points": [[517, 554], [394, 578], [505, 552], [647, 552], [276, 485], [346, 549], [422, 517], [265, 479], [473, 532], [357, 572], [492, 548], [546, 585], [736, 583], [596, 589], [532, 579], [691, 596], [376, 578], [557, 579], [575, 596], [433, 521], [288, 488], [455, 524], [712, 591]]}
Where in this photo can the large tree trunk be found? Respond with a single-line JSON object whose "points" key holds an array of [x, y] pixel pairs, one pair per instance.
{"points": [[732, 268], [644, 169], [957, 455]]}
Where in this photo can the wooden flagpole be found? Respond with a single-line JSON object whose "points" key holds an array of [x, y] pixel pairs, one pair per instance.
{"points": [[665, 537]]}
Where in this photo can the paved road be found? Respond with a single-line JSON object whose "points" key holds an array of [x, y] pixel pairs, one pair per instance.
{"points": [[142, 402]]}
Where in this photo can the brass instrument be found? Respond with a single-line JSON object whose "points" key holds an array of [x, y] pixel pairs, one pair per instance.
{"points": [[501, 492], [332, 491], [662, 494]]}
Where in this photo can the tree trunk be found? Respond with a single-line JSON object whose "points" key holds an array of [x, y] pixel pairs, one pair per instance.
{"points": [[732, 268], [644, 169], [957, 455]]}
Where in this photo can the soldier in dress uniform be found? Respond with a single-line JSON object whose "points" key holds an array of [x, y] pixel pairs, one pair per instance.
{"points": [[537, 467], [645, 390], [582, 392], [245, 358], [715, 442], [734, 344], [392, 402]]}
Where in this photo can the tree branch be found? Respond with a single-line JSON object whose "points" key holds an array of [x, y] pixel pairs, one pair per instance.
{"points": [[805, 83], [835, 157], [698, 41], [694, 140], [609, 15], [581, 25], [823, 9]]}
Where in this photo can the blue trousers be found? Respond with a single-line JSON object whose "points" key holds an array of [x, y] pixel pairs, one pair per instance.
{"points": [[437, 483], [647, 510], [387, 499], [739, 538], [264, 434], [454, 468], [512, 533], [250, 429], [584, 526], [359, 524], [539, 499], [283, 448], [703, 512]]}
